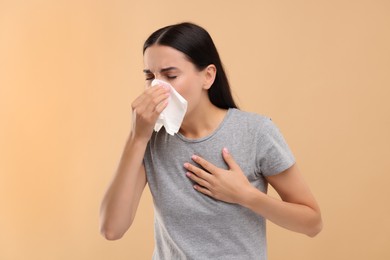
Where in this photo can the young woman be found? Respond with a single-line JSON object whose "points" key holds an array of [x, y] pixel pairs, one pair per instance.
{"points": [[208, 181]]}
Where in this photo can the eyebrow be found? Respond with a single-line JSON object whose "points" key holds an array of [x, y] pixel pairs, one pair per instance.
{"points": [[162, 70]]}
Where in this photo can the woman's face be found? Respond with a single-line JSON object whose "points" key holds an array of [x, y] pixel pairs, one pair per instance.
{"points": [[168, 64]]}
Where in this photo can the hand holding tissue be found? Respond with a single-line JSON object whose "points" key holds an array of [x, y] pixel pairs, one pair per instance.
{"points": [[172, 116]]}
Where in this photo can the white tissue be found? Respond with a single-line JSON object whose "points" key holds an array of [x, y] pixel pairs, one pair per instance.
{"points": [[172, 116]]}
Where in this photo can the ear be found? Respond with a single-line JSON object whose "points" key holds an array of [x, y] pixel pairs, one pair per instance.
{"points": [[209, 76]]}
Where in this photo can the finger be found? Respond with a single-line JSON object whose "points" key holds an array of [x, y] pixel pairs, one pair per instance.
{"points": [[149, 95], [205, 164], [157, 101], [137, 101], [203, 190], [229, 159], [151, 102], [160, 107], [156, 90], [198, 172], [198, 180], [156, 97]]}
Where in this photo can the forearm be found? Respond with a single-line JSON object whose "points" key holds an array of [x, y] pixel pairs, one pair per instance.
{"points": [[121, 200], [295, 217]]}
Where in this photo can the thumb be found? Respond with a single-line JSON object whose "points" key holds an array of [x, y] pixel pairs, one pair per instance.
{"points": [[229, 159]]}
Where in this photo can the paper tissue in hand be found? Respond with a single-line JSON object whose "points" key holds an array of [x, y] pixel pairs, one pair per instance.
{"points": [[172, 116]]}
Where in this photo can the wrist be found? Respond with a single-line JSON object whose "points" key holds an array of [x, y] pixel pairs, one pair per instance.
{"points": [[249, 195], [135, 141], [138, 139]]}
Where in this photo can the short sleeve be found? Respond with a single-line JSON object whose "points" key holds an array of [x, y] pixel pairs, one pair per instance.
{"points": [[273, 154]]}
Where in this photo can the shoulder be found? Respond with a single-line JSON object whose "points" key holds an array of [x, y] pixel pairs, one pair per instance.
{"points": [[255, 121]]}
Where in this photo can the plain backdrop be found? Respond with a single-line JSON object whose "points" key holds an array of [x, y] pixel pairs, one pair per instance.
{"points": [[69, 71]]}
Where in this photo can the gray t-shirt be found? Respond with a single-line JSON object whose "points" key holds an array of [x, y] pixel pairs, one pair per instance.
{"points": [[191, 225]]}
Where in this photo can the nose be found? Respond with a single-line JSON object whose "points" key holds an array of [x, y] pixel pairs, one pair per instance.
{"points": [[158, 76]]}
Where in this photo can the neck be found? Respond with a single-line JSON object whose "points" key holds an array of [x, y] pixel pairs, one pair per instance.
{"points": [[202, 121]]}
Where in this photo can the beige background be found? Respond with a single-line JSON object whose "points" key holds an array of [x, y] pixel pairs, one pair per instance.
{"points": [[70, 69]]}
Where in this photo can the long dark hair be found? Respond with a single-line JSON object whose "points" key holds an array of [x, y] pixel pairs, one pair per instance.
{"points": [[196, 43]]}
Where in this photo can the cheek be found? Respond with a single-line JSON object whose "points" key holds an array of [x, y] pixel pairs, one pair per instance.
{"points": [[191, 92], [189, 87], [183, 87]]}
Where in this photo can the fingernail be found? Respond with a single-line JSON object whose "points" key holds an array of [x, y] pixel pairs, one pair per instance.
{"points": [[188, 174], [226, 150], [194, 157], [186, 165]]}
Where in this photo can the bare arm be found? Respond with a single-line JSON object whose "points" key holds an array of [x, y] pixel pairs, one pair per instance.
{"points": [[297, 211], [121, 200]]}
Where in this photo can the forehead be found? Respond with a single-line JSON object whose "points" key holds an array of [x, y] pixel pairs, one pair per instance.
{"points": [[158, 56]]}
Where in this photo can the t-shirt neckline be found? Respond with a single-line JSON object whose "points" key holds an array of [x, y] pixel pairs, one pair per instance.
{"points": [[198, 140]]}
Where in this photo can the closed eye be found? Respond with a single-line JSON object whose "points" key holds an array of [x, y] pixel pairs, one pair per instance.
{"points": [[149, 76]]}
